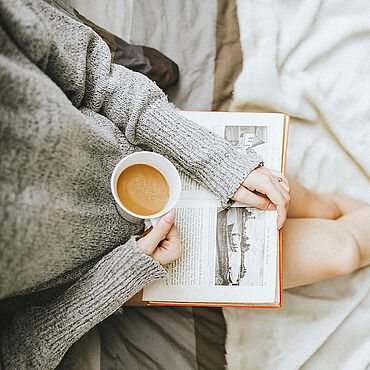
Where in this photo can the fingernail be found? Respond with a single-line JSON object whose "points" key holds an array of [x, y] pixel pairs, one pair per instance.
{"points": [[271, 207], [169, 217]]}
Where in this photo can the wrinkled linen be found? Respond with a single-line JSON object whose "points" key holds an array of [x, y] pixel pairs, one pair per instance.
{"points": [[182, 30], [310, 59]]}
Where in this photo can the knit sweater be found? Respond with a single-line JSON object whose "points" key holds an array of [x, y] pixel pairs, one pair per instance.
{"points": [[67, 258]]}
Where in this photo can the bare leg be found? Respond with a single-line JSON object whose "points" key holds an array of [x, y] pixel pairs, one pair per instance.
{"points": [[326, 236], [306, 203], [357, 224]]}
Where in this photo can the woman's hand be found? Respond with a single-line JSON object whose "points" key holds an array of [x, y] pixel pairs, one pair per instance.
{"points": [[265, 189], [162, 242]]}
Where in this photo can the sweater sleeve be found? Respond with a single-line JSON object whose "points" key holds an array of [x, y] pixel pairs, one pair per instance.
{"points": [[38, 337], [79, 62]]}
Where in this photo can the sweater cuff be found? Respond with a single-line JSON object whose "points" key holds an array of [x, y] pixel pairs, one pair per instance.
{"points": [[45, 333], [205, 156]]}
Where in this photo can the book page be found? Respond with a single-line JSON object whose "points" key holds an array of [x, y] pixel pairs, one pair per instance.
{"points": [[229, 254]]}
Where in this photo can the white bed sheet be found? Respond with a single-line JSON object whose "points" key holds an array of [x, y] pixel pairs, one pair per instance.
{"points": [[310, 59]]}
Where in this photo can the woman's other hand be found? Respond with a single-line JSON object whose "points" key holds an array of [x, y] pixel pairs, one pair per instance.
{"points": [[162, 242], [265, 189]]}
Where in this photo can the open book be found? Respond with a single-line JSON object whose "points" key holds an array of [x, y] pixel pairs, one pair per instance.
{"points": [[231, 256]]}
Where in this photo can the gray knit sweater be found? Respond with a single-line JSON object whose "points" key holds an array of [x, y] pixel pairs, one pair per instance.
{"points": [[67, 258]]}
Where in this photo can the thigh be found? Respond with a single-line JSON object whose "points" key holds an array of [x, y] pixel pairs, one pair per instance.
{"points": [[313, 250]]}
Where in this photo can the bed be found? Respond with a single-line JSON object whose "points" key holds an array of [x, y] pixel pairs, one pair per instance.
{"points": [[309, 59]]}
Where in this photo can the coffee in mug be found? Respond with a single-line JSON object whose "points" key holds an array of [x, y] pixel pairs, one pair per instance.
{"points": [[145, 185], [142, 189]]}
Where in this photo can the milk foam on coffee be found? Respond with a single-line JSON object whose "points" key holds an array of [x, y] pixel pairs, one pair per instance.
{"points": [[142, 189]]}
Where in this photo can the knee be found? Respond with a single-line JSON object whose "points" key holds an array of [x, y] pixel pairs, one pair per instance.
{"points": [[347, 254]]}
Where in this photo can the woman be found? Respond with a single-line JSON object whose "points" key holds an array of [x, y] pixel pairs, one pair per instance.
{"points": [[68, 260]]}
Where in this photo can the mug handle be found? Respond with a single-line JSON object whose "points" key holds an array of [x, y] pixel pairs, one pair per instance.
{"points": [[149, 222]]}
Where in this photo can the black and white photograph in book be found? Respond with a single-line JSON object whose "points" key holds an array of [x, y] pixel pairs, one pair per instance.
{"points": [[246, 138], [240, 246]]}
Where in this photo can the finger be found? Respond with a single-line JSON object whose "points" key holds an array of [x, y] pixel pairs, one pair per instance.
{"points": [[281, 187], [284, 185], [260, 174], [243, 195], [173, 242], [263, 180], [274, 191], [147, 231], [168, 251], [276, 197], [173, 233], [282, 181], [278, 174], [159, 232], [175, 248]]}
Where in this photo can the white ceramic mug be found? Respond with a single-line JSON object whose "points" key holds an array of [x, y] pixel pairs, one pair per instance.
{"points": [[164, 166]]}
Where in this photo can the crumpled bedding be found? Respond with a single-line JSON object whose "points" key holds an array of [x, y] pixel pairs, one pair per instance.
{"points": [[175, 28], [310, 59]]}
